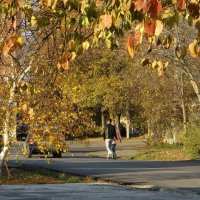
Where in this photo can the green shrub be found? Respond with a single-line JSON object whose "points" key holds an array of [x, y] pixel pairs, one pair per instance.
{"points": [[192, 140], [168, 146]]}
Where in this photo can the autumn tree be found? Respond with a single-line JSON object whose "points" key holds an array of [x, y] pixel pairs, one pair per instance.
{"points": [[29, 76], [27, 25]]}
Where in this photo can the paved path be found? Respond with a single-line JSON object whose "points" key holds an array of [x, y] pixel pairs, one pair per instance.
{"points": [[87, 191], [96, 148], [183, 175]]}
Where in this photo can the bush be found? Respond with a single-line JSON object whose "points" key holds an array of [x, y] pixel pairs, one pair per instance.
{"points": [[192, 140]]}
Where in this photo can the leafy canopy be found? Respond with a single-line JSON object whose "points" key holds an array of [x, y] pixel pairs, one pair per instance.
{"points": [[86, 22]]}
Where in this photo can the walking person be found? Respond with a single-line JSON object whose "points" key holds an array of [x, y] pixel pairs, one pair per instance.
{"points": [[109, 135], [114, 142]]}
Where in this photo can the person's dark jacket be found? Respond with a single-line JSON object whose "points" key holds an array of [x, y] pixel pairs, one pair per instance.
{"points": [[109, 132]]}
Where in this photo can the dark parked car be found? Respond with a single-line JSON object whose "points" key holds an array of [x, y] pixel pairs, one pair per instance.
{"points": [[22, 132], [35, 147]]}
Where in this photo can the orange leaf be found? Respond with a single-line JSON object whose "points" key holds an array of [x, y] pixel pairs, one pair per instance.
{"points": [[130, 46], [99, 3], [180, 5], [141, 5], [8, 45], [155, 8], [64, 61], [107, 20], [149, 27], [23, 83], [24, 107], [137, 37], [14, 22]]}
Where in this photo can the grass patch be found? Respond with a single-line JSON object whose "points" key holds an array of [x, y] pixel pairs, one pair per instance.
{"points": [[163, 152], [40, 176]]}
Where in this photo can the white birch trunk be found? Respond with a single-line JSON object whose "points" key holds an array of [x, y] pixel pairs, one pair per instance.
{"points": [[183, 107], [6, 135], [195, 87], [128, 125]]}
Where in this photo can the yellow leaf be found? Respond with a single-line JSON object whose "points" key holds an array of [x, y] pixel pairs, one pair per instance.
{"points": [[31, 113], [166, 64], [19, 42], [33, 21], [113, 2], [159, 27], [49, 2], [193, 49], [86, 45], [72, 56], [21, 3], [154, 64], [160, 64], [162, 67], [54, 4], [160, 70]]}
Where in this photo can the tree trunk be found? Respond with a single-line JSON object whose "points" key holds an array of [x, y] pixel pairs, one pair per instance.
{"points": [[193, 83], [5, 149], [183, 106], [128, 121], [149, 133], [6, 134], [196, 89], [184, 117], [103, 121], [118, 120]]}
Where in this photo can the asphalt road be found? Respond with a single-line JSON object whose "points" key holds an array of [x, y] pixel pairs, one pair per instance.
{"points": [[90, 160], [86, 191]]}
